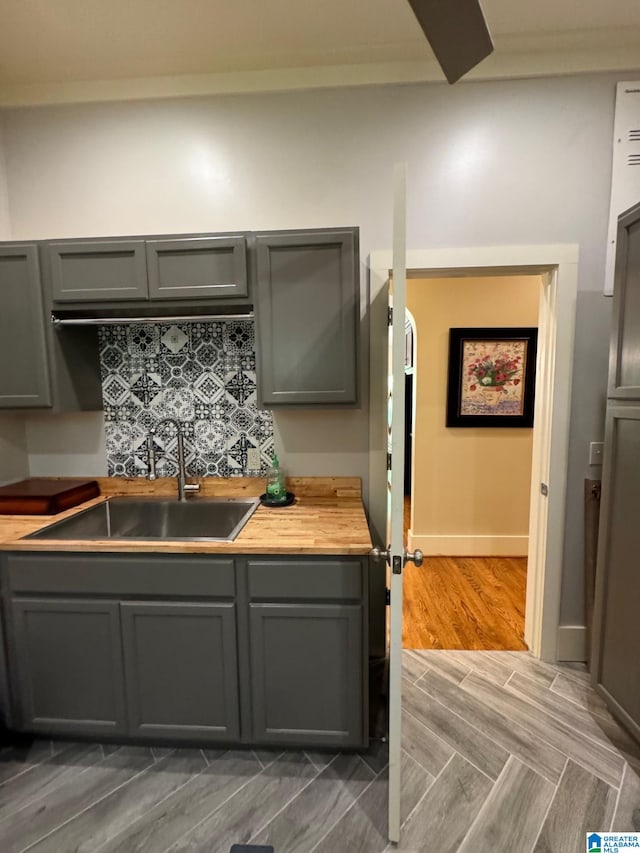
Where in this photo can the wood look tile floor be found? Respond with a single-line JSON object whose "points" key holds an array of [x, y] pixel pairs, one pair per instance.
{"points": [[464, 602], [502, 754]]}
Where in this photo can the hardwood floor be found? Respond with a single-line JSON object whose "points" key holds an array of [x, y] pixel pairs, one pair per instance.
{"points": [[473, 603], [501, 752]]}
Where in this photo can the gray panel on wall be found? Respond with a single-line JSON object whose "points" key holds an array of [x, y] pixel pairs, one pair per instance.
{"points": [[197, 267], [203, 374], [88, 272], [618, 625], [307, 298], [624, 377], [24, 369]]}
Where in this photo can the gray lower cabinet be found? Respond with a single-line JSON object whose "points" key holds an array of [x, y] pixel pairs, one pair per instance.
{"points": [[306, 674], [69, 656], [24, 365], [307, 305], [85, 271], [176, 647], [181, 670], [197, 268]]}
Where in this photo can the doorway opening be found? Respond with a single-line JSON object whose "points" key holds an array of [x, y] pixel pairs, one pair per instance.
{"points": [[557, 267], [467, 489]]}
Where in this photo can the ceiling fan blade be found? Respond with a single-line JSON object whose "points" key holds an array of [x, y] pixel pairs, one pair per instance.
{"points": [[457, 32]]}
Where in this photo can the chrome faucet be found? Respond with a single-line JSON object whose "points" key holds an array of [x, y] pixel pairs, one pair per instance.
{"points": [[183, 486]]}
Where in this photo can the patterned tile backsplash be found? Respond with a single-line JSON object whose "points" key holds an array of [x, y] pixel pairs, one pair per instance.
{"points": [[202, 374]]}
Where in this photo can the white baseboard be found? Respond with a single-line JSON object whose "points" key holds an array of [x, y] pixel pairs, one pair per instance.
{"points": [[470, 546], [572, 643]]}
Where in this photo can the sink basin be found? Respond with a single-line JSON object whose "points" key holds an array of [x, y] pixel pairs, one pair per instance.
{"points": [[201, 519]]}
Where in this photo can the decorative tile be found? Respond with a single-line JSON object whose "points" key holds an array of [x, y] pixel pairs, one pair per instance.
{"points": [[239, 337], [174, 339], [241, 388], [115, 389], [202, 374], [143, 339]]}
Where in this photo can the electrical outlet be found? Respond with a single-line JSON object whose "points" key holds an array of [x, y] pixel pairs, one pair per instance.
{"points": [[596, 449], [253, 458]]}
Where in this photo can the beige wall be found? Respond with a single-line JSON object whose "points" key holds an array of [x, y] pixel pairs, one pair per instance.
{"points": [[470, 486]]}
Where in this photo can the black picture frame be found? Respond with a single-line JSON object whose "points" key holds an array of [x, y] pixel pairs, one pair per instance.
{"points": [[470, 400]]}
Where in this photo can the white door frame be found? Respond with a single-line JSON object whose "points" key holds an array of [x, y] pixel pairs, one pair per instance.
{"points": [[558, 266]]}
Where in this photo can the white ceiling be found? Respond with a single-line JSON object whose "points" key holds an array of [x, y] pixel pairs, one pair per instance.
{"points": [[57, 50]]}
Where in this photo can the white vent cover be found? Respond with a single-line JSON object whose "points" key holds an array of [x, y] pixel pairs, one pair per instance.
{"points": [[625, 177]]}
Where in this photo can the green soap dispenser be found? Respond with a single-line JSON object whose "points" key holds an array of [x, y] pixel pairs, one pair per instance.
{"points": [[276, 486]]}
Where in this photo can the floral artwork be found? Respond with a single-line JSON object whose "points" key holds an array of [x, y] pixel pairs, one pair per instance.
{"points": [[491, 377], [493, 374]]}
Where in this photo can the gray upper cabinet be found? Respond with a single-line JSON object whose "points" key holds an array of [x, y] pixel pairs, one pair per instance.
{"points": [[85, 271], [24, 367], [69, 662], [307, 303], [197, 268], [181, 670]]}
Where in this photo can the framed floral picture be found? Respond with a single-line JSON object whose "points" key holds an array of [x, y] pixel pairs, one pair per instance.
{"points": [[491, 377]]}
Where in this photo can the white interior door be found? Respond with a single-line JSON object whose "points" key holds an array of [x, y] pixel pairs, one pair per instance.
{"points": [[396, 553]]}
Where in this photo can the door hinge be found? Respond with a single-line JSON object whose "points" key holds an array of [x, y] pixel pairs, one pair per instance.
{"points": [[544, 489], [387, 596], [389, 316], [388, 461]]}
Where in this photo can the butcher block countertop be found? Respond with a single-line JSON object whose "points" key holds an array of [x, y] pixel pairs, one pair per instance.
{"points": [[327, 518]]}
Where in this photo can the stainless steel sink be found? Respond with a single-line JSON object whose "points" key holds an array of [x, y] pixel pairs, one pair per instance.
{"points": [[201, 519]]}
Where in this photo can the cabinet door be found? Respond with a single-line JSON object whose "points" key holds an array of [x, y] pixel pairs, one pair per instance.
{"points": [[92, 272], [181, 670], [197, 268], [307, 674], [307, 304], [616, 634], [24, 370], [69, 666]]}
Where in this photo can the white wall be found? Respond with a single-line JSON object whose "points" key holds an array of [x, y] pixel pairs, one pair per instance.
{"points": [[5, 224], [507, 162]]}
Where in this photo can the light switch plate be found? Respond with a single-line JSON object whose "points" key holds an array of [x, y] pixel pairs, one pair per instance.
{"points": [[253, 458], [596, 449]]}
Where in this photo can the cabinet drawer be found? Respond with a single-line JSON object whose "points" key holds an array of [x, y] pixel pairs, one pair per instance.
{"points": [[338, 579], [121, 575]]}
